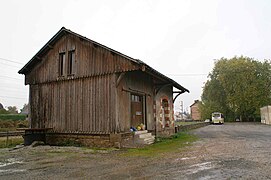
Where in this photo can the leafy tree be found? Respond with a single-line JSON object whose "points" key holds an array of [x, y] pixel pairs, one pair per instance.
{"points": [[12, 110], [3, 111], [237, 87]]}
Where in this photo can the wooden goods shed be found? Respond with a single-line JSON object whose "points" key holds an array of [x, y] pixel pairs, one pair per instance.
{"points": [[82, 90]]}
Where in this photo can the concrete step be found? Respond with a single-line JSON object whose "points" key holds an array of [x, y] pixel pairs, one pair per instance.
{"points": [[141, 132], [150, 141], [146, 135], [146, 140]]}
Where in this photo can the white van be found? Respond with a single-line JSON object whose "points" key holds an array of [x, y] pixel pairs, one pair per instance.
{"points": [[217, 118]]}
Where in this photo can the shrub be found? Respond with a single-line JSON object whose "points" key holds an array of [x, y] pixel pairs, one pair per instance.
{"points": [[3, 111], [11, 125], [13, 117]]}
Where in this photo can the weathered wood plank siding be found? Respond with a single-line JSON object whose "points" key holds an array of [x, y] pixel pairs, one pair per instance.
{"points": [[85, 101], [79, 105], [90, 60], [80, 86], [136, 82]]}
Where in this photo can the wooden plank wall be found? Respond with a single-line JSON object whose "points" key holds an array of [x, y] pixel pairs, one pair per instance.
{"points": [[138, 81], [90, 60], [87, 101], [79, 105]]}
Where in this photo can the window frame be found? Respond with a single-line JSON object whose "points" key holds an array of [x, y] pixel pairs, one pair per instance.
{"points": [[136, 98], [61, 64], [71, 63]]}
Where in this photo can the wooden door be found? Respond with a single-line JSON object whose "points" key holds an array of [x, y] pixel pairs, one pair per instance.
{"points": [[136, 110]]}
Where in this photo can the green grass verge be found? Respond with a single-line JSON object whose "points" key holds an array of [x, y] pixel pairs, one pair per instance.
{"points": [[164, 145], [12, 141]]}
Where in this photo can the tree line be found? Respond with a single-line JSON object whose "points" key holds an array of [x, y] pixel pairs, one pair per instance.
{"points": [[238, 88], [13, 109]]}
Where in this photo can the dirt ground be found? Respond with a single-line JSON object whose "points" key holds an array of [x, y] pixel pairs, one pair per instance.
{"points": [[229, 151]]}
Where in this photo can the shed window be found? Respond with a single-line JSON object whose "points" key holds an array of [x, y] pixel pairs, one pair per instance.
{"points": [[136, 98], [71, 62], [61, 64]]}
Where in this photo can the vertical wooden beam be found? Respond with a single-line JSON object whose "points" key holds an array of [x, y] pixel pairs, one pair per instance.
{"points": [[120, 78]]}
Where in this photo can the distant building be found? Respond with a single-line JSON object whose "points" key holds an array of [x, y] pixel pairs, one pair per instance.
{"points": [[266, 115], [195, 111], [25, 109]]}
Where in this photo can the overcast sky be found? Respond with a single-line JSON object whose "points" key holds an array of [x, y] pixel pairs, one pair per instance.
{"points": [[180, 39]]}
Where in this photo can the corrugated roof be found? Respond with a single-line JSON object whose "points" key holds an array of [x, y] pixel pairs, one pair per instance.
{"points": [[63, 31]]}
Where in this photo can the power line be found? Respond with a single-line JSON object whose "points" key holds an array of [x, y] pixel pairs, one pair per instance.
{"points": [[13, 89], [11, 82], [10, 77], [10, 65], [16, 90], [187, 74], [10, 97], [8, 60]]}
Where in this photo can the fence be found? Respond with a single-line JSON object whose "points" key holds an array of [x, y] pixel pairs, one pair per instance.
{"points": [[9, 134], [190, 126]]}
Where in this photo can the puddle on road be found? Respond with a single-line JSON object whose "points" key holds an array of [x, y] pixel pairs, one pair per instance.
{"points": [[200, 167], [11, 170], [9, 162], [185, 158]]}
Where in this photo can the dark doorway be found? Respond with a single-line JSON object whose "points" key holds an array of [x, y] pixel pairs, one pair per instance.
{"points": [[137, 115]]}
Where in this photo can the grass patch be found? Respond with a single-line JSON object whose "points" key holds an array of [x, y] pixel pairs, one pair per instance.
{"points": [[12, 141], [164, 145]]}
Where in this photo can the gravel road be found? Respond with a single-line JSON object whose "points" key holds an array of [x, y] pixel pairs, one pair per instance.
{"points": [[229, 151]]}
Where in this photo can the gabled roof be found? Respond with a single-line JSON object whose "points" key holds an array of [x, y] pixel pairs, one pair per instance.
{"points": [[36, 59], [195, 102]]}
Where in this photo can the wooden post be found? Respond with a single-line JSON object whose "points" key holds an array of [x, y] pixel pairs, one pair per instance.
{"points": [[7, 140]]}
